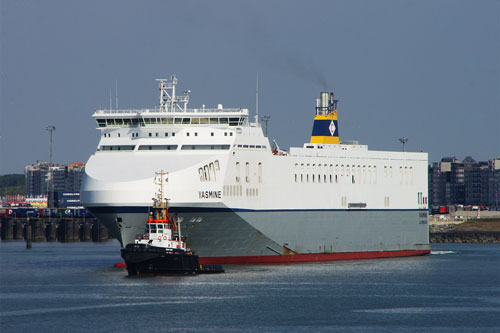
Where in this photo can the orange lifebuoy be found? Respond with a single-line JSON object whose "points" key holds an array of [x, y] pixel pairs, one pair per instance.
{"points": [[164, 237], [159, 238]]}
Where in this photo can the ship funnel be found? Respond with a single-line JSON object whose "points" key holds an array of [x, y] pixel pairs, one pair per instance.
{"points": [[324, 101], [325, 127]]}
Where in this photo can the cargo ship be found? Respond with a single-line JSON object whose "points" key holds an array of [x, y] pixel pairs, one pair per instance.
{"points": [[241, 200]]}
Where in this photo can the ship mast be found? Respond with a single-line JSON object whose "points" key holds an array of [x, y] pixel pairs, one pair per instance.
{"points": [[169, 101]]}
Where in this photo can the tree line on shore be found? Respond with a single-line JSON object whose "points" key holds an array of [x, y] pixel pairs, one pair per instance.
{"points": [[12, 184]]}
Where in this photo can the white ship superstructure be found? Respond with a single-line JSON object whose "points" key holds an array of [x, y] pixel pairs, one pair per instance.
{"points": [[241, 201]]}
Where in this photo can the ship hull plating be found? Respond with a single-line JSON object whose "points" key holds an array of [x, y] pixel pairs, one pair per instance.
{"points": [[245, 236]]}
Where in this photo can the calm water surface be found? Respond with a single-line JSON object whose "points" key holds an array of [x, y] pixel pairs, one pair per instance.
{"points": [[74, 287]]}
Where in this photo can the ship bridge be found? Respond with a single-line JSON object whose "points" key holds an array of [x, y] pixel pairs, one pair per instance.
{"points": [[173, 111]]}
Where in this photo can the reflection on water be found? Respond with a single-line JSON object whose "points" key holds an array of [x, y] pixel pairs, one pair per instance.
{"points": [[75, 287]]}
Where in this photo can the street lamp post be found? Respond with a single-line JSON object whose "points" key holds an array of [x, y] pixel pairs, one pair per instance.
{"points": [[50, 129], [403, 140]]}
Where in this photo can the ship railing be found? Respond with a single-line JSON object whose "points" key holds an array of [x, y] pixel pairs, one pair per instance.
{"points": [[162, 111]]}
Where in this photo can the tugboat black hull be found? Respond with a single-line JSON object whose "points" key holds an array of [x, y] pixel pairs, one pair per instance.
{"points": [[142, 259]]}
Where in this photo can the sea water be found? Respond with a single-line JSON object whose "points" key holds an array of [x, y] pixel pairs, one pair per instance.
{"points": [[74, 287]]}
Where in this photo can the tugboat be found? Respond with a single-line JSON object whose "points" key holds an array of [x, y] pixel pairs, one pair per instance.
{"points": [[161, 249]]}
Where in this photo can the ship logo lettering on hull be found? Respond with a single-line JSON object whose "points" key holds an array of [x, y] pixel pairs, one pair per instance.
{"points": [[210, 194]]}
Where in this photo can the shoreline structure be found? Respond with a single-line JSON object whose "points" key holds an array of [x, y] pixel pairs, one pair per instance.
{"points": [[464, 229]]}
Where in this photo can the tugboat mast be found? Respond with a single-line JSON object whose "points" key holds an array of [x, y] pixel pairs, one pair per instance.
{"points": [[160, 203]]}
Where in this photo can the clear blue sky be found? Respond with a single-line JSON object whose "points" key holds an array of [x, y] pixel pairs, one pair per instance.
{"points": [[427, 70]]}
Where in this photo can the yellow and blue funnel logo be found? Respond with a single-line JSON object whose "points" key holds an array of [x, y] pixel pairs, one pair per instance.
{"points": [[325, 129]]}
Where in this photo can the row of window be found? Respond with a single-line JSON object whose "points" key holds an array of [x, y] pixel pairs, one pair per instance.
{"points": [[162, 147], [323, 173], [251, 146], [205, 147], [421, 199], [133, 122], [136, 135], [247, 172], [232, 190], [237, 191]]}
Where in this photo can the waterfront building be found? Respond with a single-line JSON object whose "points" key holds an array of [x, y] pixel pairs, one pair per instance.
{"points": [[494, 183], [468, 182], [52, 180], [74, 177]]}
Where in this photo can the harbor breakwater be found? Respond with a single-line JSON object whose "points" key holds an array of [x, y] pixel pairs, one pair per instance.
{"points": [[80, 229], [53, 229], [473, 231]]}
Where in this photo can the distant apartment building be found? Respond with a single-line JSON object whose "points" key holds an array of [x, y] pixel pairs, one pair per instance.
{"points": [[467, 182], [494, 183], [52, 180]]}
